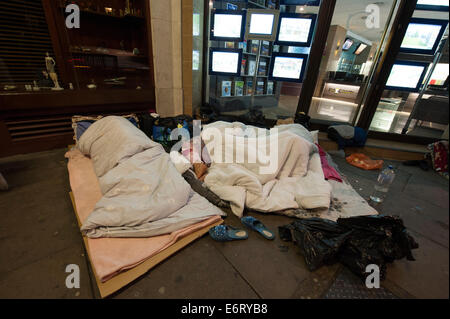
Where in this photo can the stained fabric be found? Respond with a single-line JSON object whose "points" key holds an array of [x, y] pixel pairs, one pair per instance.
{"points": [[355, 242]]}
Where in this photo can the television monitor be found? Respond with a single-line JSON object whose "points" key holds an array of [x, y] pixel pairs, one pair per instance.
{"points": [[423, 36], [227, 25], [295, 29], [262, 24], [407, 76], [360, 49], [347, 44], [288, 67], [225, 62], [315, 3], [433, 5], [439, 78]]}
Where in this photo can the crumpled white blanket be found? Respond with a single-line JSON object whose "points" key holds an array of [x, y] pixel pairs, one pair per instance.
{"points": [[143, 193], [291, 179]]}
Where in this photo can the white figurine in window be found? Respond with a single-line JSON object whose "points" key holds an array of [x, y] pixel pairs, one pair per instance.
{"points": [[50, 64]]}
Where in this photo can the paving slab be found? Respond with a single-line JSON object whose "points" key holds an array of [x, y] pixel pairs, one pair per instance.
{"points": [[275, 269], [198, 271], [428, 276], [429, 220], [46, 278], [37, 215]]}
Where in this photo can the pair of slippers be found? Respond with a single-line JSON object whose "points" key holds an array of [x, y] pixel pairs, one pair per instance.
{"points": [[229, 233]]}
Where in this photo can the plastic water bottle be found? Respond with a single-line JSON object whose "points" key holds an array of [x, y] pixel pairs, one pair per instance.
{"points": [[384, 181]]}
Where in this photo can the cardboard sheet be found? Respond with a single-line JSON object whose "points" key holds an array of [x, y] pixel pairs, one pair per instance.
{"points": [[122, 279], [116, 262]]}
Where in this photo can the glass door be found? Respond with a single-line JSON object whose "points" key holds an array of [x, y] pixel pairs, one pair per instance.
{"points": [[415, 100], [354, 42]]}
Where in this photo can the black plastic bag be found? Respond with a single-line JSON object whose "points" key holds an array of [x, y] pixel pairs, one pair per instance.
{"points": [[356, 242], [319, 240]]}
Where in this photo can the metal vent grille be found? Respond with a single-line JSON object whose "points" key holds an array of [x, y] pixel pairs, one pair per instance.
{"points": [[28, 129]]}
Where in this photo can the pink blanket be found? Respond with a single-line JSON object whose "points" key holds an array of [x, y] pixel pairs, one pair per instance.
{"points": [[110, 256]]}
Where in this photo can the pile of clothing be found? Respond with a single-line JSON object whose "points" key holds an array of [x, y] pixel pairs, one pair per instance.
{"points": [[347, 136]]}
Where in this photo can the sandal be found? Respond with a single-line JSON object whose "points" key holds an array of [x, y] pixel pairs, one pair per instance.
{"points": [[255, 224], [227, 233]]}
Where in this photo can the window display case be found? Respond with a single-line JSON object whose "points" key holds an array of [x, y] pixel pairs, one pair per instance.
{"points": [[271, 32], [108, 51], [51, 70], [418, 80], [238, 89]]}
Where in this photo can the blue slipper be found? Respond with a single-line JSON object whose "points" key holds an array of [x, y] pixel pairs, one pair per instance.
{"points": [[227, 233], [255, 224]]}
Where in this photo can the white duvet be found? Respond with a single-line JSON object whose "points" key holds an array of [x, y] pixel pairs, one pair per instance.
{"points": [[291, 178], [143, 193]]}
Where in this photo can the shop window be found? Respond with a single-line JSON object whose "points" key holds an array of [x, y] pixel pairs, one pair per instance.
{"points": [[258, 55], [415, 101], [354, 40], [39, 52]]}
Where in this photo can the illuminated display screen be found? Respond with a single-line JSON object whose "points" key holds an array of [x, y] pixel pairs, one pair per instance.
{"points": [[295, 29], [288, 67], [423, 36], [227, 25], [261, 23], [347, 44], [406, 76], [225, 61], [434, 5]]}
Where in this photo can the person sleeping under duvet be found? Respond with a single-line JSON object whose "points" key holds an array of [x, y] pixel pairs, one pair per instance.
{"points": [[277, 170], [143, 193]]}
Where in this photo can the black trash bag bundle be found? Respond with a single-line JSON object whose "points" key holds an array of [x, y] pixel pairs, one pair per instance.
{"points": [[320, 240], [375, 240], [356, 242]]}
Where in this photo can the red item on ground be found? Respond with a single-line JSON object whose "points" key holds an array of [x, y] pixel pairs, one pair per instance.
{"points": [[440, 157], [364, 162], [328, 171]]}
